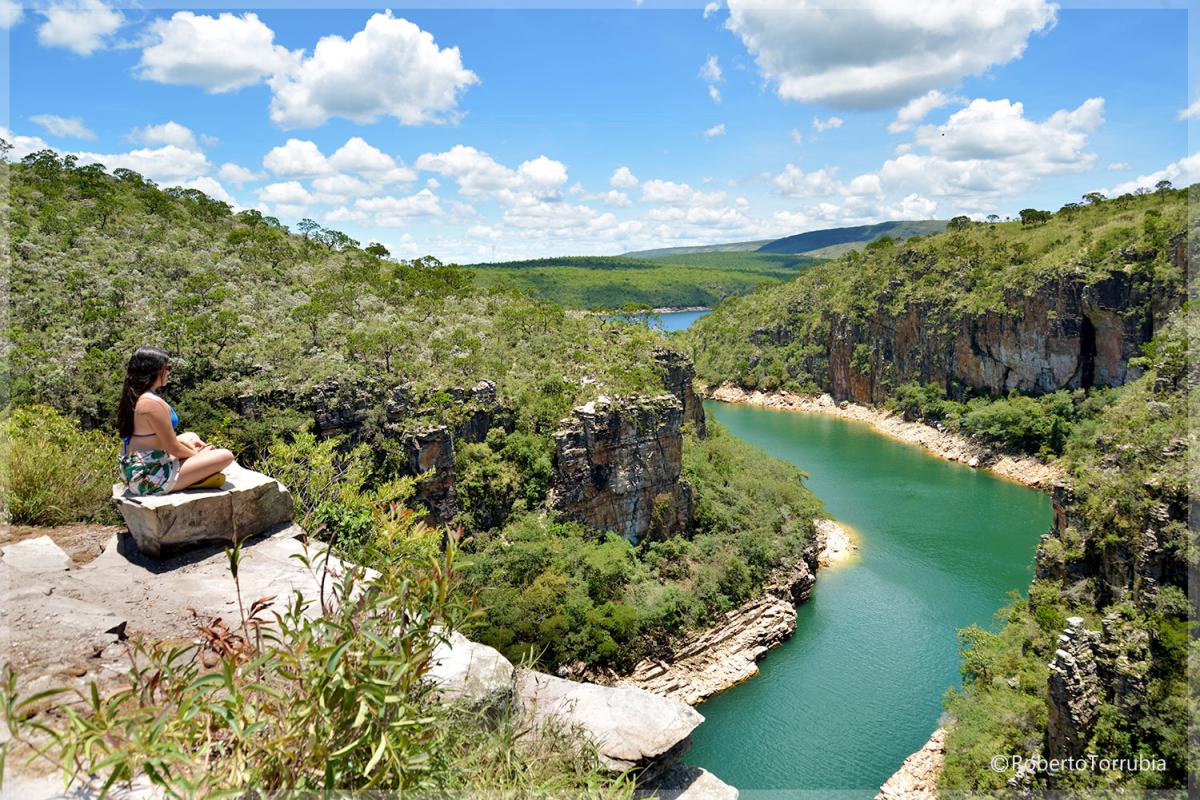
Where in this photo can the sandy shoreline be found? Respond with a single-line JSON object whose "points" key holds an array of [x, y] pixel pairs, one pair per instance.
{"points": [[1026, 470]]}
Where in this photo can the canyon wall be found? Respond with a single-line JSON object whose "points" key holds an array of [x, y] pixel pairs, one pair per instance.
{"points": [[618, 465], [617, 461], [1112, 663], [1067, 334]]}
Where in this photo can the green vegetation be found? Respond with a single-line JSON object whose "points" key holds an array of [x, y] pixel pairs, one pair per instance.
{"points": [[728, 247], [330, 702], [563, 597], [610, 282], [51, 472], [258, 318], [1035, 425], [779, 337], [1128, 468]]}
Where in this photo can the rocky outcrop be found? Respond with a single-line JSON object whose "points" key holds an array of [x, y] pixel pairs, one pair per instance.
{"points": [[472, 673], [918, 776], [426, 426], [679, 377], [727, 652], [64, 627], [1106, 570], [248, 504], [632, 729], [1067, 334], [618, 464], [1075, 692]]}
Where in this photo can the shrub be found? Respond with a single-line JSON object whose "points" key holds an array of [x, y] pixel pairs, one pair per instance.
{"points": [[51, 472]]}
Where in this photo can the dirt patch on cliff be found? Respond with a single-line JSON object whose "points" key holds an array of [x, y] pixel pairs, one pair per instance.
{"points": [[951, 446]]}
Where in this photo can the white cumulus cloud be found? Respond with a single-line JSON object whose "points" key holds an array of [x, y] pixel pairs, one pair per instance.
{"points": [[237, 175], [821, 125], [715, 130], [1181, 173], [918, 108], [478, 174], [622, 178], [389, 68], [168, 164], [217, 54], [69, 127], [880, 53], [170, 132], [1191, 112], [81, 27], [10, 13]]}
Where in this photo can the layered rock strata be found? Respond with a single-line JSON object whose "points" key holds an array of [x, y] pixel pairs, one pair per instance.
{"points": [[728, 651], [679, 377], [1067, 334], [918, 776], [618, 464]]}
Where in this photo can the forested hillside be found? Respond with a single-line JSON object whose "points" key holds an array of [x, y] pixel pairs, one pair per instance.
{"points": [[613, 282], [280, 338]]}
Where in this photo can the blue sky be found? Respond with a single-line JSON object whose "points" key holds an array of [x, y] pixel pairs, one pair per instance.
{"points": [[476, 133]]}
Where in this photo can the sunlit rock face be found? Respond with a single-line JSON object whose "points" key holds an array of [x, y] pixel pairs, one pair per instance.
{"points": [[1067, 334], [618, 467]]}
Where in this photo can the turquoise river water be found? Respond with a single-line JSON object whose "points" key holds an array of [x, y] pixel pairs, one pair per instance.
{"points": [[859, 686]]}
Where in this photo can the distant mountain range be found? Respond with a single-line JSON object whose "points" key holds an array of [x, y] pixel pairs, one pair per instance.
{"points": [[827, 243]]}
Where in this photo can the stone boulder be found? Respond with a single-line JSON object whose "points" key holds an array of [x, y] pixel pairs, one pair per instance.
{"points": [[249, 503], [630, 727], [472, 673]]}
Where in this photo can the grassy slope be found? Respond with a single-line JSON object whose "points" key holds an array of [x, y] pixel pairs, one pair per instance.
{"points": [[697, 279]]}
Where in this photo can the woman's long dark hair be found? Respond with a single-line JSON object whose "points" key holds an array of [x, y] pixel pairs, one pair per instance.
{"points": [[144, 366]]}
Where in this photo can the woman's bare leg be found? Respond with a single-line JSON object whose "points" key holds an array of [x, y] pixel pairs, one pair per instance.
{"points": [[202, 465]]}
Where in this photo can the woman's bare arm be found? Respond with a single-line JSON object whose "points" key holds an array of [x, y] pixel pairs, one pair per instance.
{"points": [[155, 412]]}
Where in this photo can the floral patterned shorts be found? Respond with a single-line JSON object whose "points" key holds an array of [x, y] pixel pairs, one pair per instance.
{"points": [[149, 471]]}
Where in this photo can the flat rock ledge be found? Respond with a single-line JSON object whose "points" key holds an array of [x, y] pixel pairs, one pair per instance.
{"points": [[248, 504], [65, 622], [727, 652], [917, 777], [632, 728]]}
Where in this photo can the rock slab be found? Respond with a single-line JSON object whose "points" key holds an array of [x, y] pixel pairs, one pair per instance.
{"points": [[630, 727], [248, 504], [35, 556], [473, 673]]}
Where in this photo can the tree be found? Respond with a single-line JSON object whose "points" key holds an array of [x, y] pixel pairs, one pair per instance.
{"points": [[993, 218], [1032, 216], [376, 249], [1162, 186], [307, 227], [960, 222], [1094, 198], [1068, 210]]}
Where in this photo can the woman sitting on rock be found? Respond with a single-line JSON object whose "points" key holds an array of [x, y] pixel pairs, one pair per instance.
{"points": [[154, 460]]}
